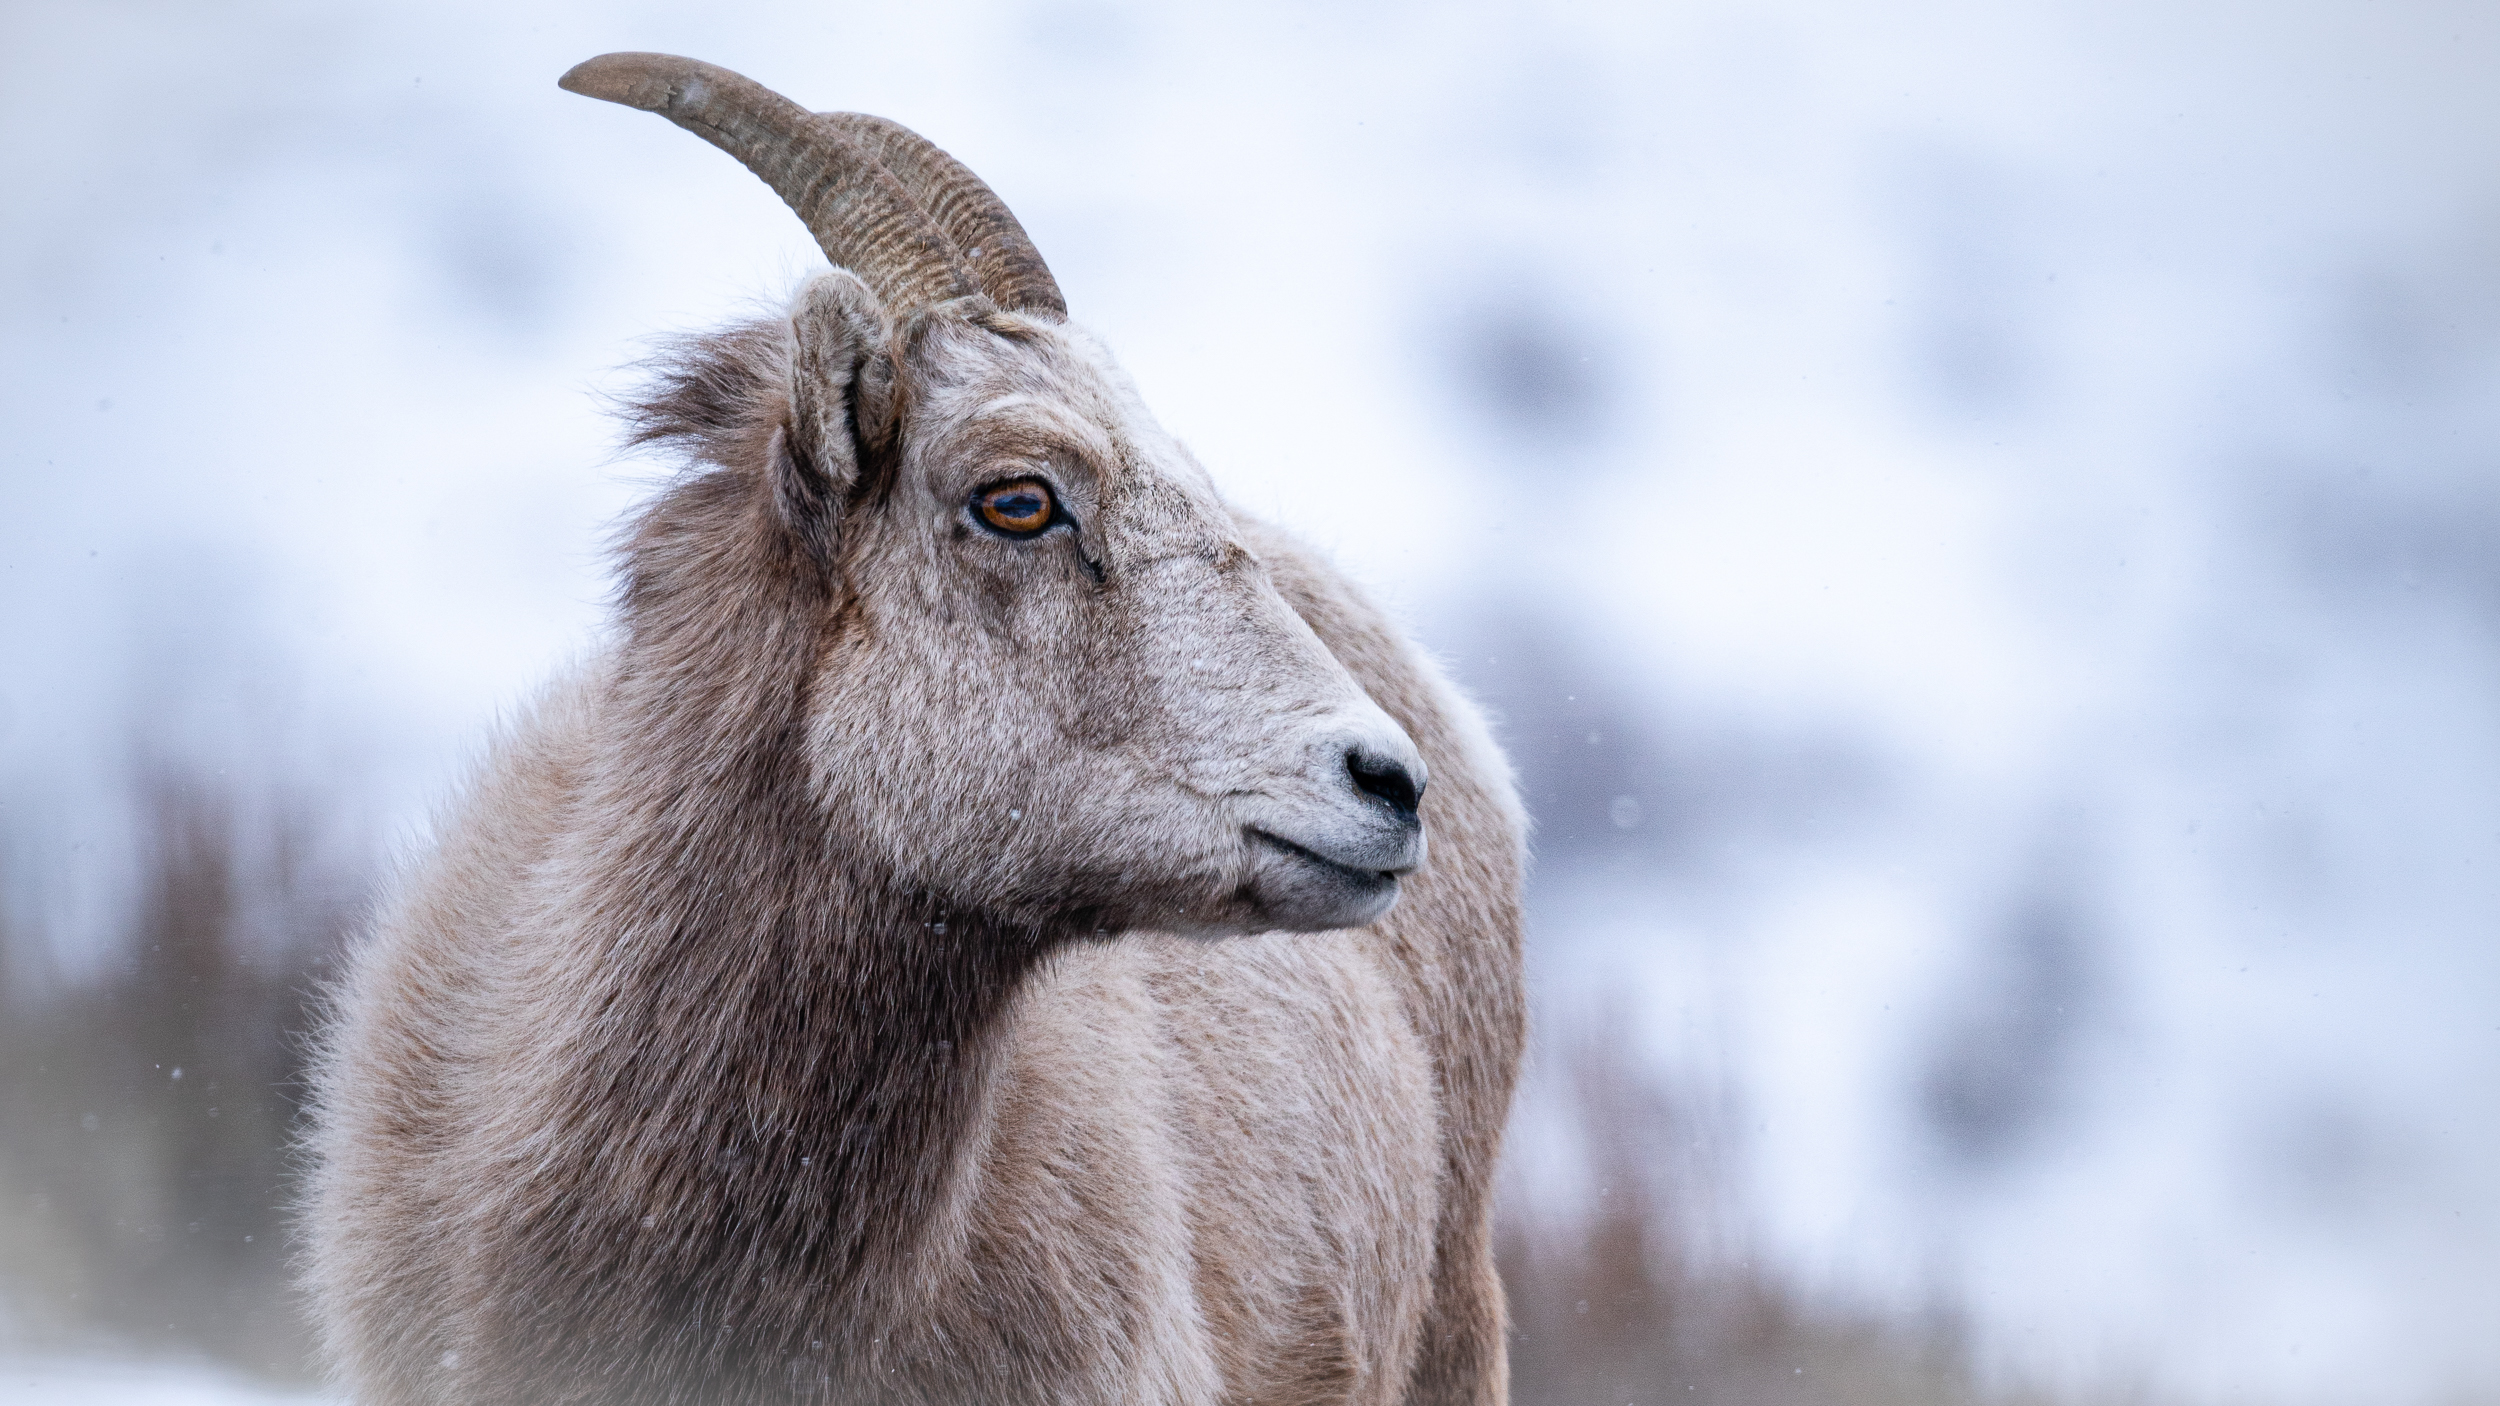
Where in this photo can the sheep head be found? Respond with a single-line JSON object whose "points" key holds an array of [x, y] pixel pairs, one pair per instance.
{"points": [[1047, 676]]}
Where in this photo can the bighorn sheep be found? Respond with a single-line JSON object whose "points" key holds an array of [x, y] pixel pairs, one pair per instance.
{"points": [[943, 949]]}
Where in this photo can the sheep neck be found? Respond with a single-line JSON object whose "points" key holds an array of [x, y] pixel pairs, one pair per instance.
{"points": [[806, 1042]]}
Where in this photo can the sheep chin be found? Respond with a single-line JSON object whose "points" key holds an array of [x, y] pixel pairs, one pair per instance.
{"points": [[1297, 889]]}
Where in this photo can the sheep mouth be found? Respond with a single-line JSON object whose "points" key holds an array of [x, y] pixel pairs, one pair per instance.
{"points": [[1361, 878], [1294, 888]]}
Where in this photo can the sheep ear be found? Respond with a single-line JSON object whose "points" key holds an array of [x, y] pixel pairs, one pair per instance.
{"points": [[841, 401]]}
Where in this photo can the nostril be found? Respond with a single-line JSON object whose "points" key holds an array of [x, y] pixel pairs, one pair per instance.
{"points": [[1386, 778]]}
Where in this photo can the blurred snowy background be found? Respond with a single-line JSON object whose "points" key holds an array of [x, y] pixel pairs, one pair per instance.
{"points": [[1979, 522]]}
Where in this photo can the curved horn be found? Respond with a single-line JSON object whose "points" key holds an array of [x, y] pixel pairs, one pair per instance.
{"points": [[993, 242], [861, 215]]}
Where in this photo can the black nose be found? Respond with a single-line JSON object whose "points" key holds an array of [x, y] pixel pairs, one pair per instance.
{"points": [[1387, 778]]}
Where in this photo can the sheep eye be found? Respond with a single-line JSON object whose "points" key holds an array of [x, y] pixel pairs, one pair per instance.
{"points": [[1018, 507]]}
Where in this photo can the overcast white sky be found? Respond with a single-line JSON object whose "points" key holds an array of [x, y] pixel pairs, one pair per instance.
{"points": [[2021, 476]]}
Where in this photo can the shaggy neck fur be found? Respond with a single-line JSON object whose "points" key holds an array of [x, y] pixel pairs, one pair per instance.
{"points": [[781, 1056]]}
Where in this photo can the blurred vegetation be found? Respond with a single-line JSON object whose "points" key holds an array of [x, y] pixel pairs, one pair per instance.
{"points": [[145, 1111], [145, 1114], [1647, 1295]]}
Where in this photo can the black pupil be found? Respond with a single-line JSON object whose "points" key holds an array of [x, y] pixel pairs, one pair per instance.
{"points": [[1019, 506]]}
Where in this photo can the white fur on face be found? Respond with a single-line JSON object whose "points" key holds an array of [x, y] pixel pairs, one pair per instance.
{"points": [[1118, 721]]}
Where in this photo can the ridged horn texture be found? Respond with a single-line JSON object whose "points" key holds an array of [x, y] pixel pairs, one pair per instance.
{"points": [[994, 244], [862, 216]]}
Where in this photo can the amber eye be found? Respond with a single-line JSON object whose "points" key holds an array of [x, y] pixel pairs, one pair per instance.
{"points": [[1018, 507]]}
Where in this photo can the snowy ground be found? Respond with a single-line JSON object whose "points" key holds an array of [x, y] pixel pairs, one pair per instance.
{"points": [[46, 1381]]}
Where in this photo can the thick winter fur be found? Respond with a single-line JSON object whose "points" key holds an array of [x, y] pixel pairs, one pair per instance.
{"points": [[874, 978]]}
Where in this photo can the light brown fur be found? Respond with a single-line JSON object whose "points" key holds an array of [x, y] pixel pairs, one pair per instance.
{"points": [[859, 983]]}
